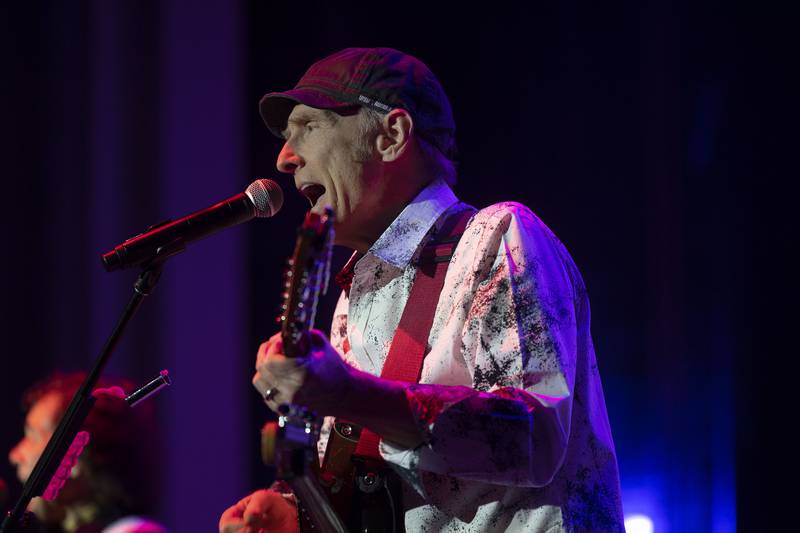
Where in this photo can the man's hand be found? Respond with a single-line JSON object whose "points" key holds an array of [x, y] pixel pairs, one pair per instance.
{"points": [[318, 381], [324, 383], [261, 512]]}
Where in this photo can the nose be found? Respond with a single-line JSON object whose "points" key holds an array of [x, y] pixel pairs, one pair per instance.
{"points": [[289, 160]]}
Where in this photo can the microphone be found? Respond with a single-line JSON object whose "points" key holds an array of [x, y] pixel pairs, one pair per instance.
{"points": [[263, 198]]}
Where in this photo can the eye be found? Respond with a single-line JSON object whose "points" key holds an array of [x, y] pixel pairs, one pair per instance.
{"points": [[311, 125]]}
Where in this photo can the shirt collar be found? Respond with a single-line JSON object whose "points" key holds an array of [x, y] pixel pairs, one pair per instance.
{"points": [[401, 239]]}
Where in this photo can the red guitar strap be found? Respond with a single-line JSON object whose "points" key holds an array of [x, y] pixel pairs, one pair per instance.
{"points": [[408, 349]]}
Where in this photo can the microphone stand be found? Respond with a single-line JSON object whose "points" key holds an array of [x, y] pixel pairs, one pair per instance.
{"points": [[82, 402]]}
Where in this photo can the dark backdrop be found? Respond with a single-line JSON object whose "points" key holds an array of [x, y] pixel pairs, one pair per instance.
{"points": [[647, 135]]}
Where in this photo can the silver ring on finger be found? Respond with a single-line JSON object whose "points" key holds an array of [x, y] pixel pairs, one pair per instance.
{"points": [[269, 394]]}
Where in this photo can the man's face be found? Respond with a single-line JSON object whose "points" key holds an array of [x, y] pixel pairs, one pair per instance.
{"points": [[332, 166], [40, 423]]}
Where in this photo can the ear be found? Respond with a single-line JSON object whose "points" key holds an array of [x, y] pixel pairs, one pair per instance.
{"points": [[395, 135]]}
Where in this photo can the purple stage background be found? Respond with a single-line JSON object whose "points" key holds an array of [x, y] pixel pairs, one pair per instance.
{"points": [[638, 132]]}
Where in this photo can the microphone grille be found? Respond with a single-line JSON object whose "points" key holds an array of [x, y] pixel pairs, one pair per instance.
{"points": [[267, 196]]}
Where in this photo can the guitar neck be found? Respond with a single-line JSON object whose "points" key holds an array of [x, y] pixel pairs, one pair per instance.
{"points": [[290, 445], [305, 279], [314, 505]]}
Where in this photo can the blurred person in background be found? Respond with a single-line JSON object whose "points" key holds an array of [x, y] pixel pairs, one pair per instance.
{"points": [[115, 481]]}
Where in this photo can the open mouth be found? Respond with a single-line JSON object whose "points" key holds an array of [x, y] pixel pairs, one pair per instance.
{"points": [[312, 191]]}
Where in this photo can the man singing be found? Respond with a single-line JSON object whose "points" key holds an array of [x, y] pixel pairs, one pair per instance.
{"points": [[505, 428]]}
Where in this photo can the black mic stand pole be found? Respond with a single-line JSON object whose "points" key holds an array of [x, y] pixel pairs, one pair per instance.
{"points": [[83, 400]]}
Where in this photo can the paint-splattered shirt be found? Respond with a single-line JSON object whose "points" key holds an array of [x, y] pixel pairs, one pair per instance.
{"points": [[510, 400]]}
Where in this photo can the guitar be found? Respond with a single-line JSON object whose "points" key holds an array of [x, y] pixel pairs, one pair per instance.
{"points": [[347, 495], [290, 443]]}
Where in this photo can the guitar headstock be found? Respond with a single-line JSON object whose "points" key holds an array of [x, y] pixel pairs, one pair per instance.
{"points": [[305, 279]]}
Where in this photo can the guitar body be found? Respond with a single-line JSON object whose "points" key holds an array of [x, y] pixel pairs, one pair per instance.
{"points": [[346, 494], [338, 473], [366, 496]]}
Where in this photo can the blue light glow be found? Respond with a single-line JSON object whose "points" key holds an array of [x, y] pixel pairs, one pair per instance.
{"points": [[638, 523]]}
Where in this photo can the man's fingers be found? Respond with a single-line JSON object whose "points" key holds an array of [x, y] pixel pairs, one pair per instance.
{"points": [[257, 383], [261, 512], [250, 513], [263, 350], [275, 372], [262, 387], [271, 346], [269, 510], [232, 519], [231, 526], [275, 344]]}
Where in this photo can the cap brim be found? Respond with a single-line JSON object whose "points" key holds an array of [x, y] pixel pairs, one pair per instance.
{"points": [[275, 108]]}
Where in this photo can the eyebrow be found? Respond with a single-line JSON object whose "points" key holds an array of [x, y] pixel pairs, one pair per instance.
{"points": [[325, 115], [322, 115]]}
